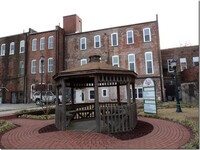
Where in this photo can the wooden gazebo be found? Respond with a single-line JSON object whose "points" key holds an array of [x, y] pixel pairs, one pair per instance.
{"points": [[114, 117]]}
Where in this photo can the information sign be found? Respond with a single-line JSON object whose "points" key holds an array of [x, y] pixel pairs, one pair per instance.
{"points": [[149, 95]]}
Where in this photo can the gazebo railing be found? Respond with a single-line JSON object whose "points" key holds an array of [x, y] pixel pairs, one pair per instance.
{"points": [[118, 118]]}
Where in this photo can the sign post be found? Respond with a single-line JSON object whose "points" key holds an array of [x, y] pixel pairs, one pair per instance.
{"points": [[149, 95]]}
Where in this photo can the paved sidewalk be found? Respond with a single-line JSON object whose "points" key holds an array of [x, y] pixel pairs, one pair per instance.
{"points": [[165, 134]]}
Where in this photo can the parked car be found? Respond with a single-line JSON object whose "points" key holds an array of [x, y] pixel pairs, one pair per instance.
{"points": [[47, 96]]}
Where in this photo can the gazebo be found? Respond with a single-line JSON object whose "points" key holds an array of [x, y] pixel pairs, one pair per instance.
{"points": [[113, 117]]}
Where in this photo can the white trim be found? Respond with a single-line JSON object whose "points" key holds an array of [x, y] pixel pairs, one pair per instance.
{"points": [[50, 42], [116, 39], [34, 44], [3, 49], [22, 46], [149, 34], [89, 94], [169, 66], [113, 63], [104, 89], [99, 41], [50, 65], [83, 40], [131, 62], [127, 37], [195, 60], [182, 62], [12, 48], [149, 61], [42, 43], [33, 70], [83, 60]]}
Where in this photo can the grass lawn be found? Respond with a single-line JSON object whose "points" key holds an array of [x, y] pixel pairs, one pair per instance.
{"points": [[189, 117]]}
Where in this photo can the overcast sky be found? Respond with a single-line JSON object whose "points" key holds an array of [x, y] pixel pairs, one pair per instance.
{"points": [[178, 19]]}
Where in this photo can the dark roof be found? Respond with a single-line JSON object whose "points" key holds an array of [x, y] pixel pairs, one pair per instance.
{"points": [[93, 68]]}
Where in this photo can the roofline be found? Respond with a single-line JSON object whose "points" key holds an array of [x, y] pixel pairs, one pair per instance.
{"points": [[110, 28], [179, 47]]}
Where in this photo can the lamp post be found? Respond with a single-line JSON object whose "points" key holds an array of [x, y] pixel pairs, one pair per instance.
{"points": [[178, 107], [42, 71]]}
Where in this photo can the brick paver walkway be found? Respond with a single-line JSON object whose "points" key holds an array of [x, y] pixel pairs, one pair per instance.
{"points": [[166, 134]]}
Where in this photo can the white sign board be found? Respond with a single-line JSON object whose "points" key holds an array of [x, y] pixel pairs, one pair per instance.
{"points": [[149, 95]]}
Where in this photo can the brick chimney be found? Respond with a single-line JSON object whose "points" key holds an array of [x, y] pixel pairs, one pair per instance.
{"points": [[72, 24]]}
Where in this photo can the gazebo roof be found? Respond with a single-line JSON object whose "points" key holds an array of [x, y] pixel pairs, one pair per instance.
{"points": [[94, 68]]}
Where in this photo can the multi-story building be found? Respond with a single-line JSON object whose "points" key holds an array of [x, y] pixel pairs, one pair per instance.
{"points": [[134, 47], [12, 68], [186, 58]]}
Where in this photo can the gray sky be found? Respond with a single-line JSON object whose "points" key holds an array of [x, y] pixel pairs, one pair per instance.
{"points": [[178, 19]]}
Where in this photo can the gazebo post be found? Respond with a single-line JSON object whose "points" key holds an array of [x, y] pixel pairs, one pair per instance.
{"points": [[128, 93], [96, 95], [63, 114], [57, 115], [72, 96], [133, 91], [118, 94]]}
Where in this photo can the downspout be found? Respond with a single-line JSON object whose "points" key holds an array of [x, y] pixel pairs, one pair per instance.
{"points": [[160, 63]]}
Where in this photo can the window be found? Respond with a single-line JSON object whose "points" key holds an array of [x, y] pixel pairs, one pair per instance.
{"points": [[83, 62], [129, 36], [183, 64], [195, 61], [149, 63], [50, 42], [147, 34], [21, 67], [114, 39], [42, 43], [169, 66], [131, 62], [12, 48], [33, 66], [83, 43], [138, 93], [91, 94], [34, 44], [104, 92], [97, 41], [22, 46], [41, 67], [50, 65], [3, 49], [115, 60], [49, 87]]}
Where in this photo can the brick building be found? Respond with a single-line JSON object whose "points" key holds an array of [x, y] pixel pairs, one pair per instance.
{"points": [[134, 47], [12, 68], [187, 57]]}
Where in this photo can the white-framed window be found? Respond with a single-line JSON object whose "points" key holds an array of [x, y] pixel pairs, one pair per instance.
{"points": [[91, 94], [33, 66], [183, 64], [114, 39], [41, 67], [115, 60], [12, 48], [97, 41], [149, 63], [42, 43], [195, 61], [22, 46], [83, 62], [169, 66], [3, 49], [104, 92], [131, 62], [21, 67], [34, 44], [50, 64], [138, 93], [83, 43], [130, 37], [50, 42], [147, 34]]}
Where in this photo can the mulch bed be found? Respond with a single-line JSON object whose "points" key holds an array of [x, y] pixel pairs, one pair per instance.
{"points": [[142, 128]]}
